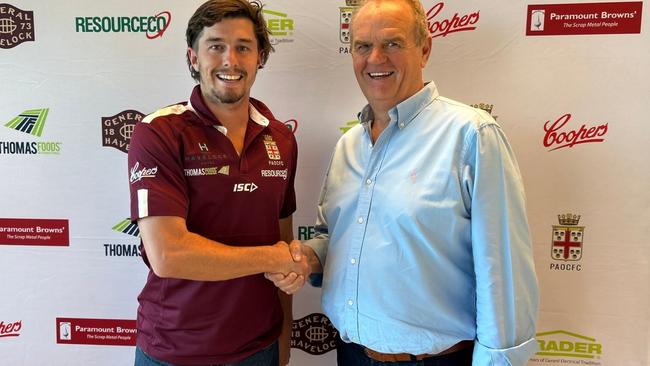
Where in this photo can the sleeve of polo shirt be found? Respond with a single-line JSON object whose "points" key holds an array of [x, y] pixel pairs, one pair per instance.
{"points": [[289, 204], [157, 183], [506, 284]]}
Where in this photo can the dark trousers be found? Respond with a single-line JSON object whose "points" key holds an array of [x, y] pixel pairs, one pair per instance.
{"points": [[269, 356], [352, 354]]}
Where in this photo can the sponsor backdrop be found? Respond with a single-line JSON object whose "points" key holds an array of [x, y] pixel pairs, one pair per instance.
{"points": [[569, 83]]}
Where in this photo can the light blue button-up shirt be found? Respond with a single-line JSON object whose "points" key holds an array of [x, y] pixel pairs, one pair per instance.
{"points": [[424, 238]]}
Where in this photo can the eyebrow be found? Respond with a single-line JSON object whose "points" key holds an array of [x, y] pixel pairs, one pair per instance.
{"points": [[218, 39]]}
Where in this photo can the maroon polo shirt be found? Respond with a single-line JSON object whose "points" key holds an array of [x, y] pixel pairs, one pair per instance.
{"points": [[182, 164]]}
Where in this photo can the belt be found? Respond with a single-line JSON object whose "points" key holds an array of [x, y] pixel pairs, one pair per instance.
{"points": [[401, 357]]}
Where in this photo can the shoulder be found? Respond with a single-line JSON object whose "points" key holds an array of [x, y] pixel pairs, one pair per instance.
{"points": [[275, 125], [467, 116], [170, 115]]}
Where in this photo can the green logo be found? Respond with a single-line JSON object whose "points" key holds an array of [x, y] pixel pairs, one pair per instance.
{"points": [[30, 121], [349, 125], [278, 23], [127, 227], [566, 344]]}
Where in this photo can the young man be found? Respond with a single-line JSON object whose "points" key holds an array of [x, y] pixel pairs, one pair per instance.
{"points": [[211, 219], [422, 227]]}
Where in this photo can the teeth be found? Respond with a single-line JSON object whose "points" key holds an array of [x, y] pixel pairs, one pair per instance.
{"points": [[379, 74], [229, 77]]}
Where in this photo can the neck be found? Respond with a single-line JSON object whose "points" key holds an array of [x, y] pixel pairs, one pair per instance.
{"points": [[231, 115], [379, 122]]}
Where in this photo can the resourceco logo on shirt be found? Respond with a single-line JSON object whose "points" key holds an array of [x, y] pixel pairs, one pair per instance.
{"points": [[16, 26], [313, 334], [573, 347], [279, 25], [30, 122], [110, 332], [117, 129], [153, 26]]}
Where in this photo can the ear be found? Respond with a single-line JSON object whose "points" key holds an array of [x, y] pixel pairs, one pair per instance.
{"points": [[426, 51], [193, 57], [260, 57]]}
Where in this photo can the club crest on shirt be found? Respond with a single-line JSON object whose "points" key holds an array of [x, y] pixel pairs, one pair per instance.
{"points": [[271, 148]]}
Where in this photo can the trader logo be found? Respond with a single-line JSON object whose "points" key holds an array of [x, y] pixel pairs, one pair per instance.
{"points": [[152, 26], [556, 137], [348, 125], [46, 232], [30, 122], [568, 345], [313, 334], [279, 25], [110, 332], [584, 18], [16, 26], [117, 129], [10, 329], [457, 23]]}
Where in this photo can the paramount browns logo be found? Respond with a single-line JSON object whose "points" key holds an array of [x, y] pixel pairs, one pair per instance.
{"points": [[153, 26], [47, 232], [117, 129], [457, 23], [16, 26], [10, 329], [111, 332], [313, 334], [556, 137]]}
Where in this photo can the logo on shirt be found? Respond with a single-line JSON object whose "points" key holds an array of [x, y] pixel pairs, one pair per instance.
{"points": [[572, 346], [566, 242], [152, 26], [556, 137], [277, 173], [443, 27], [16, 26], [10, 329], [117, 130], [138, 175], [199, 172], [271, 148], [244, 187], [313, 334]]}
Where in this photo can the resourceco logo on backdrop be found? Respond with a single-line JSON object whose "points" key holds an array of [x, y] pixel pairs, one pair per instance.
{"points": [[16, 26], [292, 125], [108, 332], [30, 122], [567, 348], [279, 25], [584, 18], [117, 129], [566, 243], [153, 26], [313, 334], [10, 329], [557, 137], [46, 232], [124, 250]]}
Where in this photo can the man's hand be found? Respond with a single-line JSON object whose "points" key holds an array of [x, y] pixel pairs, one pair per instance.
{"points": [[294, 279]]}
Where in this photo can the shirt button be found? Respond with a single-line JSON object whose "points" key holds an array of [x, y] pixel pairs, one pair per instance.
{"points": [[360, 220], [401, 125], [353, 261], [350, 302], [368, 181]]}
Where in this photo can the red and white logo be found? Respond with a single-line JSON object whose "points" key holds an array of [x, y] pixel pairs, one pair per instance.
{"points": [[567, 238], [109, 332], [10, 329], [48, 232], [557, 137], [457, 23]]}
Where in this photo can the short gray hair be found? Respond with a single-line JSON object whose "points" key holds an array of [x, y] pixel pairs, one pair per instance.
{"points": [[420, 27]]}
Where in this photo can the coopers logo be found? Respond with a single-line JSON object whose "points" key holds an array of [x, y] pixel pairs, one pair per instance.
{"points": [[457, 23], [313, 334], [584, 18], [16, 26], [117, 129], [109, 332], [138, 174], [46, 232], [10, 329], [568, 345], [557, 136], [30, 122], [152, 26]]}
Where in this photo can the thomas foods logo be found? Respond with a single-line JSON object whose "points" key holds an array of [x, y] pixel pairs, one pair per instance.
{"points": [[108, 332], [46, 232], [557, 136], [30, 122], [152, 26], [117, 129], [313, 334], [441, 27], [121, 249], [566, 243], [561, 346], [10, 329], [16, 26], [584, 18], [280, 25]]}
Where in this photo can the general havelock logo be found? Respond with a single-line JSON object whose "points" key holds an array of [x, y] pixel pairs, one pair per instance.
{"points": [[117, 129], [16, 26], [313, 334], [567, 238]]}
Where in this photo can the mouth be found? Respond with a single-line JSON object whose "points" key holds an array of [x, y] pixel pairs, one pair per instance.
{"points": [[229, 77], [379, 75]]}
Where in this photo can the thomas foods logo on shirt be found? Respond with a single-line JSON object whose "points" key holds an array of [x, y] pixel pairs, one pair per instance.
{"points": [[280, 25], [566, 243], [10, 329], [442, 27], [570, 348], [124, 250], [313, 334], [585, 18], [45, 232], [117, 129], [30, 122], [16, 26], [152, 26], [559, 134], [108, 332]]}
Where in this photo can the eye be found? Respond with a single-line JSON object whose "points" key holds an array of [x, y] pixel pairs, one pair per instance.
{"points": [[392, 46], [217, 47], [361, 48], [243, 49]]}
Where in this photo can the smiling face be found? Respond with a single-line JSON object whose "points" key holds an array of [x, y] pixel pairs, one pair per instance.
{"points": [[386, 58], [227, 59]]}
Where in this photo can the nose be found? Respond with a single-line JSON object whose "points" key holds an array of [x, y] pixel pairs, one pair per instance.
{"points": [[229, 57], [376, 55]]}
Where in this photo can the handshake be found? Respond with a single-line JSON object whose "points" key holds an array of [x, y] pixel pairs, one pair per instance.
{"points": [[297, 261]]}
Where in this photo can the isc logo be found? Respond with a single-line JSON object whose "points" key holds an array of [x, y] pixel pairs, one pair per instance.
{"points": [[244, 187]]}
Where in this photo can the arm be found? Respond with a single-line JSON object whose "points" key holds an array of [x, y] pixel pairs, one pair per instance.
{"points": [[175, 252], [286, 235], [506, 285]]}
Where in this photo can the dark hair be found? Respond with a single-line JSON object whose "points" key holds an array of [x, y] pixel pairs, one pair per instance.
{"points": [[214, 11]]}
